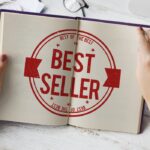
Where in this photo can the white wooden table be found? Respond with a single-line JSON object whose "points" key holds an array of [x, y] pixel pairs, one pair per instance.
{"points": [[17, 136]]}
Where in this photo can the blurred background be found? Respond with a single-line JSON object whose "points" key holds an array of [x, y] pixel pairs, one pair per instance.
{"points": [[136, 11]]}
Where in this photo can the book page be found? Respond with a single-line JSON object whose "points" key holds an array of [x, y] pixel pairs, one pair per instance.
{"points": [[107, 95], [34, 77]]}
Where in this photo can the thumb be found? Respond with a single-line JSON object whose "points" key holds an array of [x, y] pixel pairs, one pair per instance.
{"points": [[3, 62], [141, 35], [143, 42]]}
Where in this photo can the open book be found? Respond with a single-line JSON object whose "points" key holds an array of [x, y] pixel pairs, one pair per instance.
{"points": [[65, 70]]}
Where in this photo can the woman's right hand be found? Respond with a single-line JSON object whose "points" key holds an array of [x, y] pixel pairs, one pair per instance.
{"points": [[143, 64]]}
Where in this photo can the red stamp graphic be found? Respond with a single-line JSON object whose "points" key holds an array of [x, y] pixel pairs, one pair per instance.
{"points": [[72, 73]]}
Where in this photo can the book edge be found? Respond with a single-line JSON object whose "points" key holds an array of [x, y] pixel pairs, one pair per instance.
{"points": [[79, 18], [142, 117], [1, 30]]}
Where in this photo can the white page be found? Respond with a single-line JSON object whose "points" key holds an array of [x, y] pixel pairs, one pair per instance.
{"points": [[122, 110], [21, 33]]}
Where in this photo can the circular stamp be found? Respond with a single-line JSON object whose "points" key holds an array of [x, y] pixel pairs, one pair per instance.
{"points": [[72, 73]]}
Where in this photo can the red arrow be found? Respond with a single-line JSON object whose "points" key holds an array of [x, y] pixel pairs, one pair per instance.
{"points": [[113, 78], [31, 67]]}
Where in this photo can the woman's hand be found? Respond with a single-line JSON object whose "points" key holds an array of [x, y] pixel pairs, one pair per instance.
{"points": [[143, 64], [3, 62]]}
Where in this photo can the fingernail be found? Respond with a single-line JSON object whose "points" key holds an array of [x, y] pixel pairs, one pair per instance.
{"points": [[4, 57]]}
